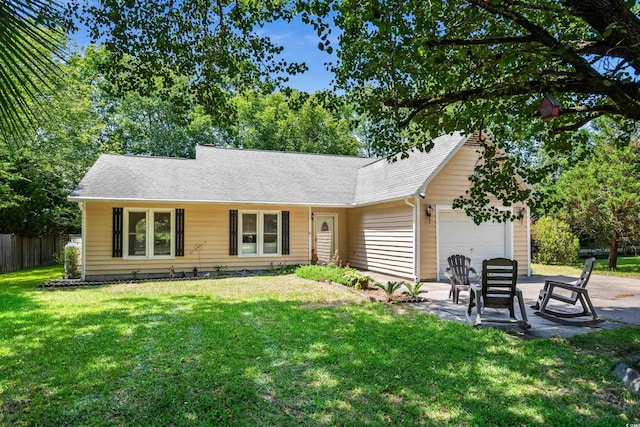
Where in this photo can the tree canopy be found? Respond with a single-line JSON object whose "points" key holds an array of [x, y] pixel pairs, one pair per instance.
{"points": [[600, 195], [217, 45], [442, 66], [293, 121], [420, 69]]}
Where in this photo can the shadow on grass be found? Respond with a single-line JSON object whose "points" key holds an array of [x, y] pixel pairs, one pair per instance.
{"points": [[199, 360], [16, 288]]}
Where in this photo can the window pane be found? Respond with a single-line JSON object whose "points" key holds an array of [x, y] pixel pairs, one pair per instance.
{"points": [[137, 234], [271, 223], [249, 223], [249, 234], [270, 235], [161, 233], [270, 245]]}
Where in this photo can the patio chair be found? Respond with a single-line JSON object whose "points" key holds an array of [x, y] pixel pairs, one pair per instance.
{"points": [[497, 289], [458, 273], [568, 293]]}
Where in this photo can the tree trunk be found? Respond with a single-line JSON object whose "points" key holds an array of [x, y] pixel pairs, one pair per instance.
{"points": [[613, 253]]}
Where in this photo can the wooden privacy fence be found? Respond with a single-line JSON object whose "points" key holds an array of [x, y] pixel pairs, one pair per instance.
{"points": [[18, 252]]}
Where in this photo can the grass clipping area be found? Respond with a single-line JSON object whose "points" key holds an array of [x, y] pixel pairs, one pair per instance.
{"points": [[284, 351]]}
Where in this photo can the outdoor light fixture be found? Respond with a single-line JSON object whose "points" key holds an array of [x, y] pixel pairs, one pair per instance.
{"points": [[428, 213], [523, 211]]}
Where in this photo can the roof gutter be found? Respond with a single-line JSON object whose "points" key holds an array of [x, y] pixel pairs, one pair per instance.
{"points": [[202, 202], [416, 237]]}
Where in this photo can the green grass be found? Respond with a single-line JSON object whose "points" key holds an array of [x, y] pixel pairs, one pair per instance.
{"points": [[264, 351], [627, 267]]}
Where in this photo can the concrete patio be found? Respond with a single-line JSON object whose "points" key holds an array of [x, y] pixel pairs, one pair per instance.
{"points": [[616, 299]]}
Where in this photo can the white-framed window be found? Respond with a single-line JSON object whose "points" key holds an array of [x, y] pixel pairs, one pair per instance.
{"points": [[259, 233], [148, 233]]}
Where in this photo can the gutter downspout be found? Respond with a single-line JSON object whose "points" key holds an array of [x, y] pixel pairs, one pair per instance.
{"points": [[527, 218], [310, 234], [416, 239], [83, 245]]}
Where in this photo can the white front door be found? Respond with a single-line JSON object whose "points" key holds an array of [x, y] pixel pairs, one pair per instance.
{"points": [[325, 238]]}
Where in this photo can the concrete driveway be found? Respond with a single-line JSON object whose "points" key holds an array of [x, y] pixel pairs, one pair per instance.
{"points": [[616, 299]]}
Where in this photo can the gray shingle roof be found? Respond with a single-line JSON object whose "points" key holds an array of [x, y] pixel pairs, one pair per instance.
{"points": [[382, 180], [267, 177]]}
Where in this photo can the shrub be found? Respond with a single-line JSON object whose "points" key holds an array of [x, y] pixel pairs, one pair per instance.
{"points": [[220, 269], [71, 261], [356, 279], [553, 242], [323, 273]]}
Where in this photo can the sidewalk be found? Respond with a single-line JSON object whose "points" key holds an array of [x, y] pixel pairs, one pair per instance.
{"points": [[616, 299]]}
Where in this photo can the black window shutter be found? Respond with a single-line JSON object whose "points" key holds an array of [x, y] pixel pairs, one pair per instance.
{"points": [[116, 243], [179, 232], [233, 232], [285, 232]]}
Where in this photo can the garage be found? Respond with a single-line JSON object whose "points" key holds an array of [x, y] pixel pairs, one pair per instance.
{"points": [[458, 234]]}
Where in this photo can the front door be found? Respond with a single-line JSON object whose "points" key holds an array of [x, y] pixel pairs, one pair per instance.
{"points": [[325, 238]]}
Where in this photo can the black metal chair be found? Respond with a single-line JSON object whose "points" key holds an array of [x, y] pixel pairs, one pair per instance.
{"points": [[497, 289]]}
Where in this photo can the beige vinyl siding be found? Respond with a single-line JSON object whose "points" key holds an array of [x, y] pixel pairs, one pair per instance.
{"points": [[521, 243], [381, 238], [450, 183], [206, 242]]}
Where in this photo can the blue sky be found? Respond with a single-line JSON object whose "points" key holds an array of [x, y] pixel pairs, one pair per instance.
{"points": [[300, 43]]}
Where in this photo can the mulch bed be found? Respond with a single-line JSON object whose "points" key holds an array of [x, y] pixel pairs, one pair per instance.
{"points": [[378, 295], [68, 283]]}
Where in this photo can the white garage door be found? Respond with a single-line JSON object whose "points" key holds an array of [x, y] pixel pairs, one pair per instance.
{"points": [[458, 234]]}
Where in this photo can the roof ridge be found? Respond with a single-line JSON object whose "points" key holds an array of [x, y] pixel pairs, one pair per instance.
{"points": [[256, 150], [145, 156]]}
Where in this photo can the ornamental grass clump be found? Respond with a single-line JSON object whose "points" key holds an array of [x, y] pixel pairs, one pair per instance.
{"points": [[390, 288], [414, 290]]}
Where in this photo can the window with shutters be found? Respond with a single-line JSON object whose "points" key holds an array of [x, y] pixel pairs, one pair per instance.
{"points": [[259, 233], [148, 233]]}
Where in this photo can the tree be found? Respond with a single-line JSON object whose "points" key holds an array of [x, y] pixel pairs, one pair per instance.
{"points": [[42, 172], [167, 122], [292, 121], [38, 204], [443, 66], [600, 196], [217, 45], [30, 42], [420, 69]]}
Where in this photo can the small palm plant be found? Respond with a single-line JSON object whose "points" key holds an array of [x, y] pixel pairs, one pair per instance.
{"points": [[414, 291], [390, 288]]}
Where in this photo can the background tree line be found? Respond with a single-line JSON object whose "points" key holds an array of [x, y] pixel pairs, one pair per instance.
{"points": [[85, 117]]}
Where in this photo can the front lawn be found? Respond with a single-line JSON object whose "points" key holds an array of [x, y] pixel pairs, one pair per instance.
{"points": [[284, 351], [627, 267]]}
